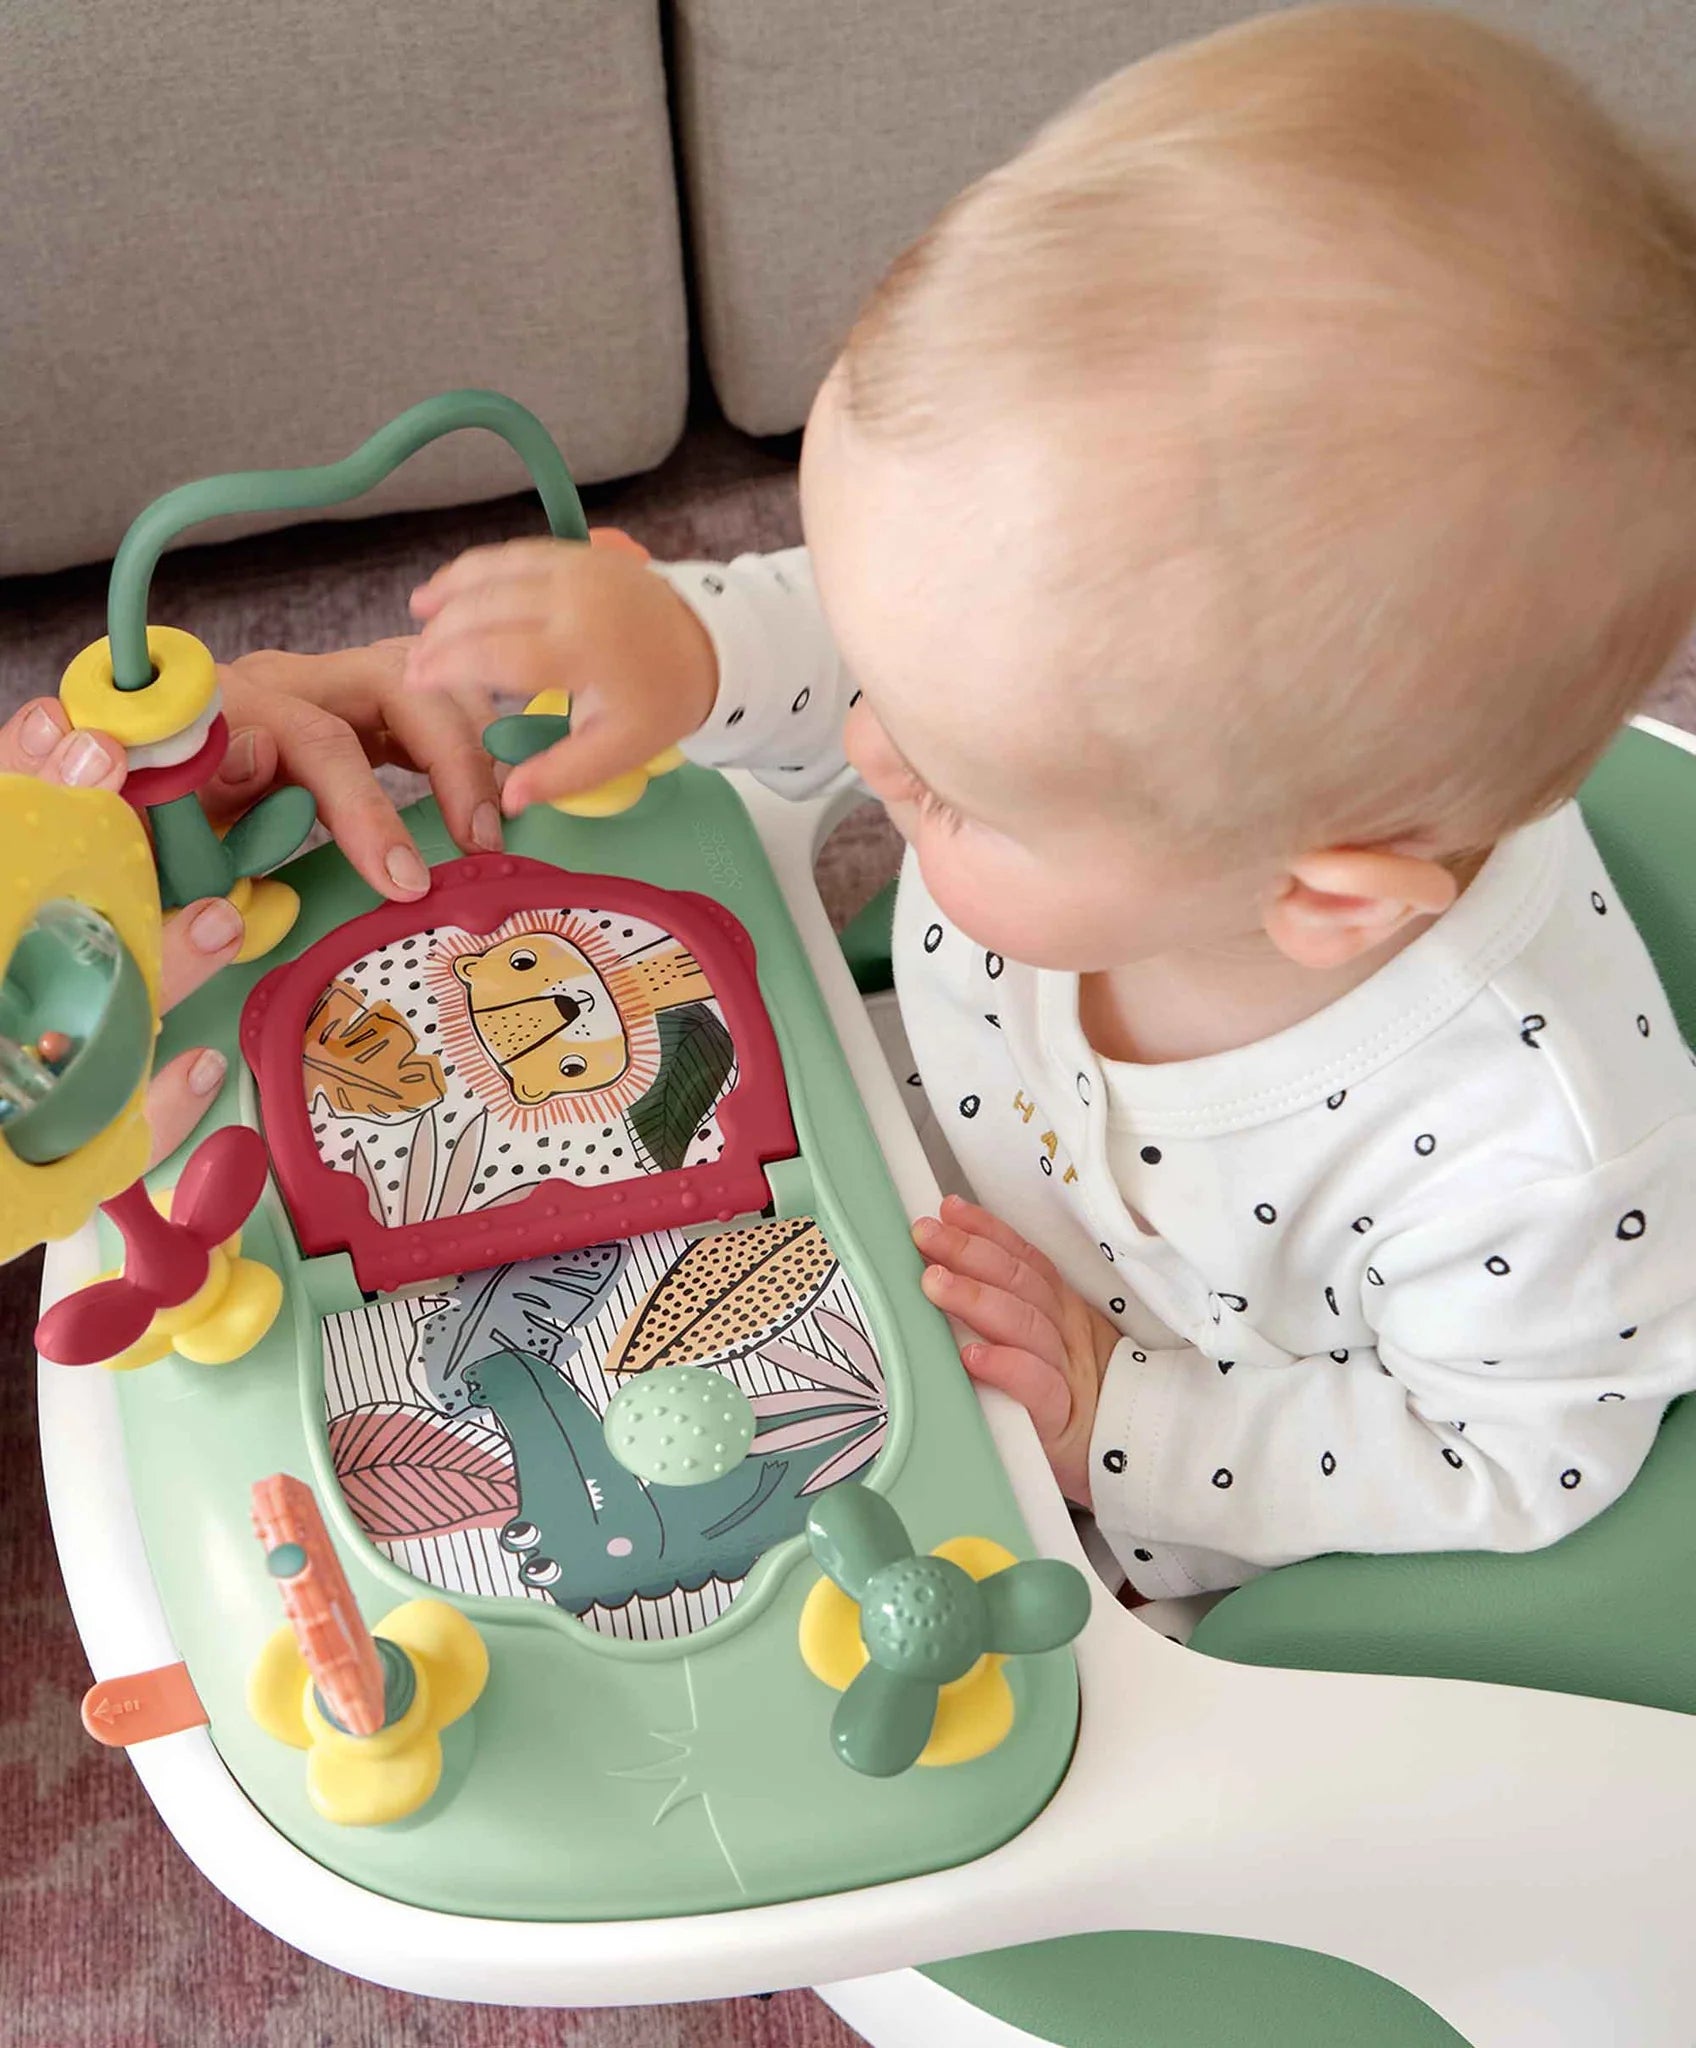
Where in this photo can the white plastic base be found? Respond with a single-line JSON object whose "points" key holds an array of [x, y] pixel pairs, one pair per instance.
{"points": [[906, 2010], [1523, 1862]]}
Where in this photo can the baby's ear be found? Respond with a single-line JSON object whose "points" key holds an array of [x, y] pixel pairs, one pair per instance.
{"points": [[1337, 905]]}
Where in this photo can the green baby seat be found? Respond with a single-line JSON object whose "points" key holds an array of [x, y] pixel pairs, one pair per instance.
{"points": [[1607, 1613]]}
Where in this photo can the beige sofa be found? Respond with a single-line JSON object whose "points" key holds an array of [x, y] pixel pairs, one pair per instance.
{"points": [[236, 237]]}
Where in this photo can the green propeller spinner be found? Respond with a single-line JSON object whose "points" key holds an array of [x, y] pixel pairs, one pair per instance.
{"points": [[925, 1622]]}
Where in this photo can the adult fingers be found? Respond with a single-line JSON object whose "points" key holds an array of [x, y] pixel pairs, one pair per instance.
{"points": [[37, 740], [500, 561], [323, 753], [995, 1315], [246, 772], [179, 1096], [981, 1258], [1031, 1381], [443, 739], [197, 941]]}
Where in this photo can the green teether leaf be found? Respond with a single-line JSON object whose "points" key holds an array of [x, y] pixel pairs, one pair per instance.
{"points": [[679, 1425], [695, 1061], [515, 739], [883, 1721], [192, 860], [854, 1533], [1037, 1605], [273, 830]]}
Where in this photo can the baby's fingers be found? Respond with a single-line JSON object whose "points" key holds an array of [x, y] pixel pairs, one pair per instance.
{"points": [[499, 562], [996, 1315], [1036, 1386], [968, 1217], [600, 747], [979, 1257]]}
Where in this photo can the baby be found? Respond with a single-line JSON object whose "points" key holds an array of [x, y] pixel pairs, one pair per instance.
{"points": [[1234, 530]]}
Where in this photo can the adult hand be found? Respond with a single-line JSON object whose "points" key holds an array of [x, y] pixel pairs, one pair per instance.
{"points": [[197, 940]]}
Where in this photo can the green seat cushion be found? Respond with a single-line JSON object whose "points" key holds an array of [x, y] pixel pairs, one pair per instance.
{"points": [[1599, 1613], [1190, 1991]]}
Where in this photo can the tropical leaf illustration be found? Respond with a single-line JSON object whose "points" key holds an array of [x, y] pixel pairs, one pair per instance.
{"points": [[846, 1395], [726, 1295], [407, 1472], [696, 1056], [362, 1059], [465, 1155], [533, 1307]]}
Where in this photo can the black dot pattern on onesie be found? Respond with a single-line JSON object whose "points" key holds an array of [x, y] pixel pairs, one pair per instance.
{"points": [[1046, 1164], [1115, 1461], [1327, 1464], [802, 699], [1106, 1251], [1331, 1301], [1150, 1155], [1496, 1264], [970, 1105], [1117, 1305], [1143, 1556], [737, 716], [1374, 1276], [1610, 1397], [1570, 1477], [1451, 1456], [933, 937], [1336, 1101], [1141, 1357], [1632, 1332], [992, 965], [1642, 1025], [1361, 1225], [1529, 1028], [1425, 1144], [1225, 1364], [1083, 1088], [713, 585], [1596, 903], [1340, 1357], [1265, 1213], [852, 701], [1630, 1225], [1239, 1302], [1222, 1478]]}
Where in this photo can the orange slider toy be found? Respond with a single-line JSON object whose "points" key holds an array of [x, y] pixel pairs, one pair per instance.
{"points": [[367, 1705]]}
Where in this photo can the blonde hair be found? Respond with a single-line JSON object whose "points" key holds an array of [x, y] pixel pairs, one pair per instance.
{"points": [[1423, 325]]}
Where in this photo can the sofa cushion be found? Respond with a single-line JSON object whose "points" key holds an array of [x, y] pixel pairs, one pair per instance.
{"points": [[819, 139], [239, 237]]}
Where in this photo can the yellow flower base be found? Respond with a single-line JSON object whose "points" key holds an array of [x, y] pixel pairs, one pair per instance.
{"points": [[608, 798], [268, 911], [220, 1322], [974, 1714], [365, 1780]]}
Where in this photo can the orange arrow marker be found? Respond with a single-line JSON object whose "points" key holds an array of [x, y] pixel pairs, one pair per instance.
{"points": [[121, 1711]]}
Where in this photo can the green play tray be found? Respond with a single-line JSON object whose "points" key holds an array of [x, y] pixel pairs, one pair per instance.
{"points": [[600, 1779]]}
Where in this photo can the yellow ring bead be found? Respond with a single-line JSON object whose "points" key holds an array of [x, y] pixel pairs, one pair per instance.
{"points": [[186, 683]]}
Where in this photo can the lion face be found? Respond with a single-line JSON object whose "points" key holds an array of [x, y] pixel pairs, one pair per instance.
{"points": [[543, 1016]]}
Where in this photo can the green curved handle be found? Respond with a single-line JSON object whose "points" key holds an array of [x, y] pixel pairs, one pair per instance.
{"points": [[315, 489]]}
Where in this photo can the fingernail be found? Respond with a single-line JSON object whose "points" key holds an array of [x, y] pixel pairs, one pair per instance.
{"points": [[924, 1227], [241, 763], [407, 871], [972, 1354], [215, 926], [935, 1275], [486, 827], [39, 733], [84, 762], [206, 1076]]}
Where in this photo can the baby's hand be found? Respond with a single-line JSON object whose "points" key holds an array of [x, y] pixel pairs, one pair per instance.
{"points": [[323, 720], [532, 615], [1044, 1344]]}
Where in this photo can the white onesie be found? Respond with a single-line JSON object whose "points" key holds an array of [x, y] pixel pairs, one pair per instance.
{"points": [[1417, 1274]]}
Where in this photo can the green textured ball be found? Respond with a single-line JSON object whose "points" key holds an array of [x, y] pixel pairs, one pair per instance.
{"points": [[679, 1425]]}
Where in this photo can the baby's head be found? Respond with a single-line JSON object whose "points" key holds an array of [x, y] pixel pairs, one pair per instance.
{"points": [[1291, 453]]}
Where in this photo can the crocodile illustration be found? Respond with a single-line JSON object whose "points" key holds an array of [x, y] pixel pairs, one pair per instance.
{"points": [[590, 1533]]}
